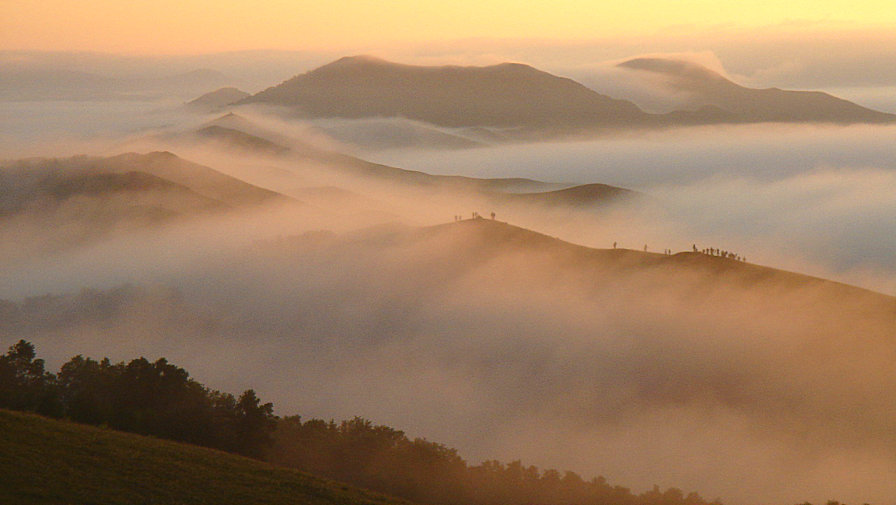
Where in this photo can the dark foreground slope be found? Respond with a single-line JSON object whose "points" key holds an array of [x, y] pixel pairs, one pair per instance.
{"points": [[43, 461]]}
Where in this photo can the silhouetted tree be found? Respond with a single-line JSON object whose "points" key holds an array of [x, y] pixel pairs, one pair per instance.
{"points": [[25, 385], [87, 389], [255, 422]]}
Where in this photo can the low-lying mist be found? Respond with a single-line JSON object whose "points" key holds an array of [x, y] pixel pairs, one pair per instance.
{"points": [[65, 128], [644, 369], [690, 371], [816, 199]]}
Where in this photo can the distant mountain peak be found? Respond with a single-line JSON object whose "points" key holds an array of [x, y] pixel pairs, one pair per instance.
{"points": [[217, 99], [355, 64], [702, 87], [370, 60], [361, 59], [506, 95]]}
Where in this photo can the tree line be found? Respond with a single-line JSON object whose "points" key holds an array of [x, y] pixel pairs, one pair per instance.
{"points": [[149, 398], [386, 460], [160, 399]]}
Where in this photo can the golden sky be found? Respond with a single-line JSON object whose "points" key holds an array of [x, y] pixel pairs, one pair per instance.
{"points": [[195, 26]]}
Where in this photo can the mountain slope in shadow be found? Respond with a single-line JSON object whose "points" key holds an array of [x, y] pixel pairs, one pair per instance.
{"points": [[50, 461], [51, 204]]}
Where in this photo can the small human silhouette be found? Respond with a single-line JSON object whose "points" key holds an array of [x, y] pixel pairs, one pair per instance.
{"points": [[614, 245]]}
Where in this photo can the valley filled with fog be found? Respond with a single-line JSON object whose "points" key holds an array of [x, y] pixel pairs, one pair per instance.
{"points": [[335, 266], [813, 199]]}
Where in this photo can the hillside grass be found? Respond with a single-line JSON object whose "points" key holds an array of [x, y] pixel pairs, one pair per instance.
{"points": [[45, 461]]}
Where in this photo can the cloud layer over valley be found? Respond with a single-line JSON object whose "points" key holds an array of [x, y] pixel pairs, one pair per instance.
{"points": [[335, 278], [812, 199]]}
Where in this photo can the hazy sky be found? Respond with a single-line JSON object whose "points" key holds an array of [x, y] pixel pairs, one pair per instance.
{"points": [[191, 26]]}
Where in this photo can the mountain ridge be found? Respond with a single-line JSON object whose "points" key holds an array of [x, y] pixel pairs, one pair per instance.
{"points": [[708, 88], [234, 131], [489, 233], [521, 101], [507, 95]]}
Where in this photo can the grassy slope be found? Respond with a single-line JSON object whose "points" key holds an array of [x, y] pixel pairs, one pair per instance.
{"points": [[54, 462], [486, 237]]}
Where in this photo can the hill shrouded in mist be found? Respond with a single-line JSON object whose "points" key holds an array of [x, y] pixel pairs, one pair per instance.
{"points": [[234, 132], [33, 179], [217, 99], [518, 97], [702, 87], [527, 340], [50, 204], [307, 250], [508, 95]]}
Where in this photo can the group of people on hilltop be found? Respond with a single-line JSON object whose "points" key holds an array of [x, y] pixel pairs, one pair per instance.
{"points": [[667, 252], [711, 251], [714, 251]]}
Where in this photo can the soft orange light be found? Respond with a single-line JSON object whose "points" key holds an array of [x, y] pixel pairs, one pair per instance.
{"points": [[186, 26]]}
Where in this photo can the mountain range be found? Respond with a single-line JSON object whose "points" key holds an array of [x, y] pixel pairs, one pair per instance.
{"points": [[518, 99]]}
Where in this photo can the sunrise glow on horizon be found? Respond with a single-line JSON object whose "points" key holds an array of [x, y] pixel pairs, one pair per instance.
{"points": [[196, 26]]}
